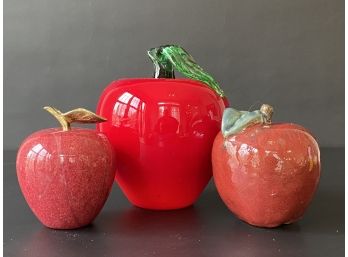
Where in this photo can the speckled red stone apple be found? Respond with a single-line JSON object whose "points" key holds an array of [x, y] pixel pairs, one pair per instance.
{"points": [[66, 174], [265, 173]]}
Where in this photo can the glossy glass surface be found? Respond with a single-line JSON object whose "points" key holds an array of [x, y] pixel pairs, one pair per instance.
{"points": [[65, 176], [267, 174], [162, 131]]}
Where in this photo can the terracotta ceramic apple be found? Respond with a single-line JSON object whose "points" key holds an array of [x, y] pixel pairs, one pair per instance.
{"points": [[162, 130], [66, 173], [265, 173]]}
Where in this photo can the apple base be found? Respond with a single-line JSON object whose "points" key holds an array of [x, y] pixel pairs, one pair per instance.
{"points": [[272, 225], [69, 227], [157, 208]]}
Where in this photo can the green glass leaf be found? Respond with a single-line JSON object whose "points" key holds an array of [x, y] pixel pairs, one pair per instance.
{"points": [[234, 121]]}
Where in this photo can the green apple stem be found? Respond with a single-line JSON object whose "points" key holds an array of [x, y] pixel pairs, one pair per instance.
{"points": [[169, 57], [234, 121], [163, 67], [79, 115]]}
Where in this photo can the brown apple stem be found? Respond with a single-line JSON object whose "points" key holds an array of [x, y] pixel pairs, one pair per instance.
{"points": [[79, 115], [267, 111]]}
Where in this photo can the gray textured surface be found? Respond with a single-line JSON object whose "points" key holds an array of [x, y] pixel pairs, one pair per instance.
{"points": [[206, 229], [287, 53]]}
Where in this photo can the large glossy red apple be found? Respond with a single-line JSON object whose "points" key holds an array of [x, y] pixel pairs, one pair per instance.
{"points": [[265, 173], [162, 130], [66, 174]]}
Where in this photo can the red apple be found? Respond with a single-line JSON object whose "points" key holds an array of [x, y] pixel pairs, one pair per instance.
{"points": [[66, 174], [162, 130], [265, 173]]}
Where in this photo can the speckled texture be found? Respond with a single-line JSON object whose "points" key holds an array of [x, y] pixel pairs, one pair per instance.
{"points": [[267, 175], [65, 176]]}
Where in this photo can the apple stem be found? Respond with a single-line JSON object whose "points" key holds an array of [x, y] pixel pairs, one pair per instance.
{"points": [[79, 115], [169, 57], [267, 111], [234, 121], [59, 116], [163, 67]]}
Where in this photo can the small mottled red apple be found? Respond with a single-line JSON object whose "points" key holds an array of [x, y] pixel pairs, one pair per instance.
{"points": [[66, 174], [265, 173]]}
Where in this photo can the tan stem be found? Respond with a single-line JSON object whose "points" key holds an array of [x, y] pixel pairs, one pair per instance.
{"points": [[59, 116], [267, 111]]}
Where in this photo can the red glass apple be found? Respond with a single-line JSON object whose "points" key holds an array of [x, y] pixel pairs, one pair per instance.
{"points": [[66, 174], [162, 130], [265, 173]]}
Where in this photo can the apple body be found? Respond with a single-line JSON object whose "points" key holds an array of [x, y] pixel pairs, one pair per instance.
{"points": [[162, 131], [66, 176], [267, 174]]}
